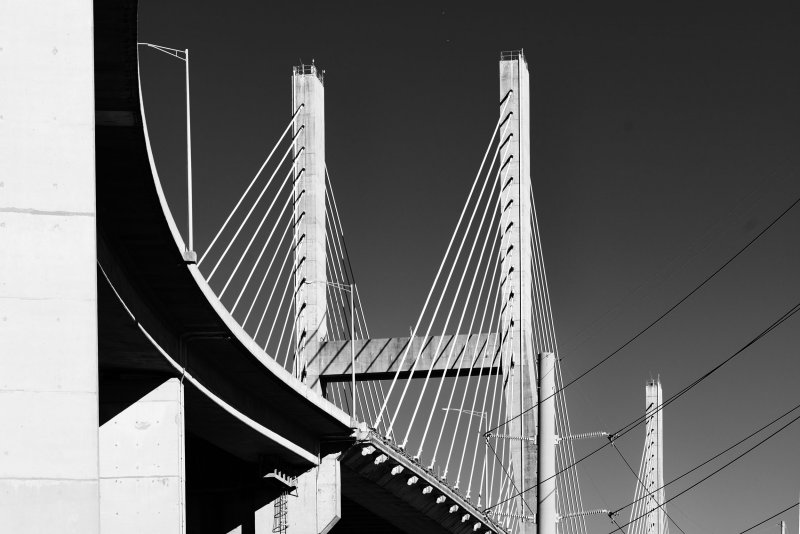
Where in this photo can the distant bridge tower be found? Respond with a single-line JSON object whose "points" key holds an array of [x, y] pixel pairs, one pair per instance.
{"points": [[310, 285], [648, 514]]}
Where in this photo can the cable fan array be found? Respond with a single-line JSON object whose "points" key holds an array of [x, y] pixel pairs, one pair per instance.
{"points": [[341, 324], [251, 261], [442, 420]]}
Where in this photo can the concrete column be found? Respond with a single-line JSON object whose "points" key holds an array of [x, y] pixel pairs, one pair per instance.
{"points": [[318, 505], [546, 511], [142, 465], [48, 294], [517, 253], [654, 454], [311, 277]]}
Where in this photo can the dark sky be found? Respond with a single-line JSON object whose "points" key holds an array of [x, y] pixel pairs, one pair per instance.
{"points": [[663, 140]]}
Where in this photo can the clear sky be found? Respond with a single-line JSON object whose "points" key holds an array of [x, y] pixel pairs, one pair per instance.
{"points": [[663, 140]]}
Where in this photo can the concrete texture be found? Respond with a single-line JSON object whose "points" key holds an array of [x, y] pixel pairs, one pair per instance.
{"points": [[48, 383], [655, 520], [546, 494], [317, 507], [142, 465], [380, 358], [519, 317], [311, 276]]}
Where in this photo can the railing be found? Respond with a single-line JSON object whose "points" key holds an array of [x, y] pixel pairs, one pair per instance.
{"points": [[309, 69], [507, 55]]}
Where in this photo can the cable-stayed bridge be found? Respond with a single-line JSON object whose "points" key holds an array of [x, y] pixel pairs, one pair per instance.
{"points": [[422, 405], [239, 389]]}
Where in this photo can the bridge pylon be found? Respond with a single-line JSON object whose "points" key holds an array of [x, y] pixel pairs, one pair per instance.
{"points": [[310, 279], [648, 512], [518, 223]]}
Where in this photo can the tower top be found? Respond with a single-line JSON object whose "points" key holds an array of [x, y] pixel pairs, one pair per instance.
{"points": [[305, 69], [508, 55]]}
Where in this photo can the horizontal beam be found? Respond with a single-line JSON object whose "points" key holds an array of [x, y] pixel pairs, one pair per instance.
{"points": [[378, 359]]}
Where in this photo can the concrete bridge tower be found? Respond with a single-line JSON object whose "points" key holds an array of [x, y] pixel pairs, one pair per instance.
{"points": [[654, 459], [308, 91], [517, 223]]}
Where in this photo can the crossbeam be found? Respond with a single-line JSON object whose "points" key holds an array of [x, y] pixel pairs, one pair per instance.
{"points": [[380, 359]]}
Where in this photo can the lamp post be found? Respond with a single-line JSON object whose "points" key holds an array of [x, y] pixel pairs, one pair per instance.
{"points": [[189, 254], [349, 288], [485, 425]]}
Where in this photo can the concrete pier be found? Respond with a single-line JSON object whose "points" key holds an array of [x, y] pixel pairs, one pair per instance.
{"points": [[48, 298], [142, 464]]}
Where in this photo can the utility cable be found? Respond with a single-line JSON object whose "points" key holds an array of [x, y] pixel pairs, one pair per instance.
{"points": [[630, 426], [721, 453], [644, 487], [665, 314], [769, 518], [736, 458]]}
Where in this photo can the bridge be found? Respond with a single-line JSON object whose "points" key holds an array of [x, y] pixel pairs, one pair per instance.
{"points": [[237, 388]]}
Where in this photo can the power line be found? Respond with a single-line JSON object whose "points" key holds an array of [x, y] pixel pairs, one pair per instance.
{"points": [[636, 422], [627, 428], [650, 493], [767, 519], [721, 453], [736, 458], [660, 317]]}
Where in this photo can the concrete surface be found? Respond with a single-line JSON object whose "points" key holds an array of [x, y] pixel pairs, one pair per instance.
{"points": [[382, 358], [311, 277], [48, 303], [522, 283], [142, 465]]}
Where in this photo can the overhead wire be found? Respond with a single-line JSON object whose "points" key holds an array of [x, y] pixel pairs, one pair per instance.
{"points": [[644, 488], [773, 516], [728, 449], [667, 312], [726, 465], [633, 424]]}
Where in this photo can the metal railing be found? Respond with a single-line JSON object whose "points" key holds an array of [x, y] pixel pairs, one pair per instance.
{"points": [[309, 69], [511, 54]]}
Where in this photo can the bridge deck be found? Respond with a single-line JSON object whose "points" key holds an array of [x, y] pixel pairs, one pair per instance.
{"points": [[142, 269], [389, 483]]}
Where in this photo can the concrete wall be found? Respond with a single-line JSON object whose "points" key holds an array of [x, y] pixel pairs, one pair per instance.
{"points": [[48, 302], [142, 465], [318, 505]]}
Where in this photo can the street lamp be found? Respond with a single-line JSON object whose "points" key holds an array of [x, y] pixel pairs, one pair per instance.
{"points": [[483, 415], [189, 254], [349, 288]]}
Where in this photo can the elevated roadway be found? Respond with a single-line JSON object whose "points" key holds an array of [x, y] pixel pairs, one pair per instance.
{"points": [[245, 426]]}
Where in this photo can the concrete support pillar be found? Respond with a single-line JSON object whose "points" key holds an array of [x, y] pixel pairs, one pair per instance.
{"points": [[309, 235], [142, 465], [516, 247], [48, 293], [655, 520], [318, 505], [546, 511]]}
